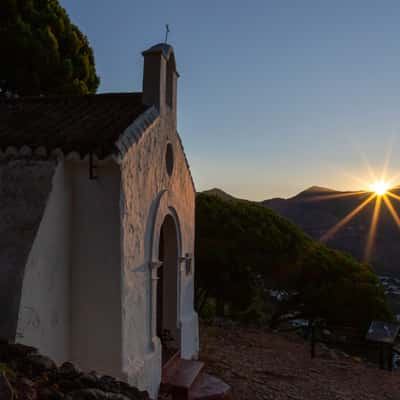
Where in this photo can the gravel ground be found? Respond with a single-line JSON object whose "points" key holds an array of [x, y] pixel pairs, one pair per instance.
{"points": [[264, 365]]}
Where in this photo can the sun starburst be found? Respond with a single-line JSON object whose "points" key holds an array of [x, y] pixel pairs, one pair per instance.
{"points": [[380, 187], [380, 192]]}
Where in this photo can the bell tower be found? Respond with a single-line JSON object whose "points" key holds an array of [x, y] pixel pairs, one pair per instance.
{"points": [[160, 79]]}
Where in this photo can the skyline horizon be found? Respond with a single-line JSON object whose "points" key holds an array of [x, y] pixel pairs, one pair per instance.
{"points": [[272, 97], [309, 188]]}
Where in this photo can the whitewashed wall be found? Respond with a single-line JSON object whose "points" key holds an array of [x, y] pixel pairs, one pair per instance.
{"points": [[20, 218], [148, 195], [96, 269], [71, 298], [44, 316]]}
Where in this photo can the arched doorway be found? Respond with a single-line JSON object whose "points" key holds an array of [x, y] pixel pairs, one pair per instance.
{"points": [[167, 321]]}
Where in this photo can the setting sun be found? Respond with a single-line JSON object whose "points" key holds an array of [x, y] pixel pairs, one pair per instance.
{"points": [[380, 194], [379, 187]]}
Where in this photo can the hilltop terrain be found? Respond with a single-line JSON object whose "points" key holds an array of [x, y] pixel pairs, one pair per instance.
{"points": [[264, 365]]}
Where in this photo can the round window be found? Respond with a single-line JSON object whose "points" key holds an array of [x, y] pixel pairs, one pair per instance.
{"points": [[169, 159]]}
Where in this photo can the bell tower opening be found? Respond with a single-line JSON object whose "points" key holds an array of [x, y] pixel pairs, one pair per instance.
{"points": [[169, 93]]}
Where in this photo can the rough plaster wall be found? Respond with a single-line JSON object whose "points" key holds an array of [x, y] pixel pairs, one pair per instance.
{"points": [[144, 178], [24, 188], [96, 269], [44, 316]]}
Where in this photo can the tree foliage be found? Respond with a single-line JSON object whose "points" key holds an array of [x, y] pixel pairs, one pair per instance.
{"points": [[42, 52], [243, 250]]}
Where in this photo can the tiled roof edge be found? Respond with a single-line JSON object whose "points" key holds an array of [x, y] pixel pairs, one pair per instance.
{"points": [[42, 153], [63, 98], [135, 131]]}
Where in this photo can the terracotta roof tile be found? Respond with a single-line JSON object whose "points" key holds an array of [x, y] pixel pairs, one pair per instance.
{"points": [[83, 124]]}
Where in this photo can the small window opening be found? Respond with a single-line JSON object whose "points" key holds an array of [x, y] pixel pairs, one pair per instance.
{"points": [[169, 159], [170, 79]]}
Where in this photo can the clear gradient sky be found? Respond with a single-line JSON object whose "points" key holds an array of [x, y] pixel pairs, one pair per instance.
{"points": [[274, 96]]}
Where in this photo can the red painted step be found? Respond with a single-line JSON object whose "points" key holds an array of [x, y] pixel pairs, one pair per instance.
{"points": [[179, 377], [170, 366], [208, 387], [184, 380]]}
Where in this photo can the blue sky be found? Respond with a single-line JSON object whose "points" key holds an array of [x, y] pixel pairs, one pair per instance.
{"points": [[274, 96]]}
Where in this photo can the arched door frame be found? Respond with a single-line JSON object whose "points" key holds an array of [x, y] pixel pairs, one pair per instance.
{"points": [[161, 209]]}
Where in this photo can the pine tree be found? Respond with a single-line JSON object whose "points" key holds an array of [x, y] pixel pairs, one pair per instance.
{"points": [[42, 52]]}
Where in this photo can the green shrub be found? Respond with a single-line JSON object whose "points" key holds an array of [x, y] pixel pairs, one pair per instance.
{"points": [[5, 369]]}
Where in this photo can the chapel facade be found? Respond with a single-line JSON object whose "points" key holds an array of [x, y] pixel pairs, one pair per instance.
{"points": [[97, 208]]}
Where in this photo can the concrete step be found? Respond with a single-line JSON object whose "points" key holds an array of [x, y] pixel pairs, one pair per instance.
{"points": [[180, 377], [208, 387]]}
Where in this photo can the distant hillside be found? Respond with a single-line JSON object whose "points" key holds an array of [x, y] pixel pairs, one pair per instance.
{"points": [[223, 195], [315, 191], [317, 209]]}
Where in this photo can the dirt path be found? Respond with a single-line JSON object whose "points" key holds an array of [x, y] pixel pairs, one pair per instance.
{"points": [[262, 365]]}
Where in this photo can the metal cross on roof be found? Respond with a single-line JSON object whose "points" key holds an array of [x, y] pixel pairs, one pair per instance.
{"points": [[166, 32]]}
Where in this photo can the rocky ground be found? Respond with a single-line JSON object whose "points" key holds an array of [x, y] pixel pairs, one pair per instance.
{"points": [[257, 364], [266, 365], [27, 375]]}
